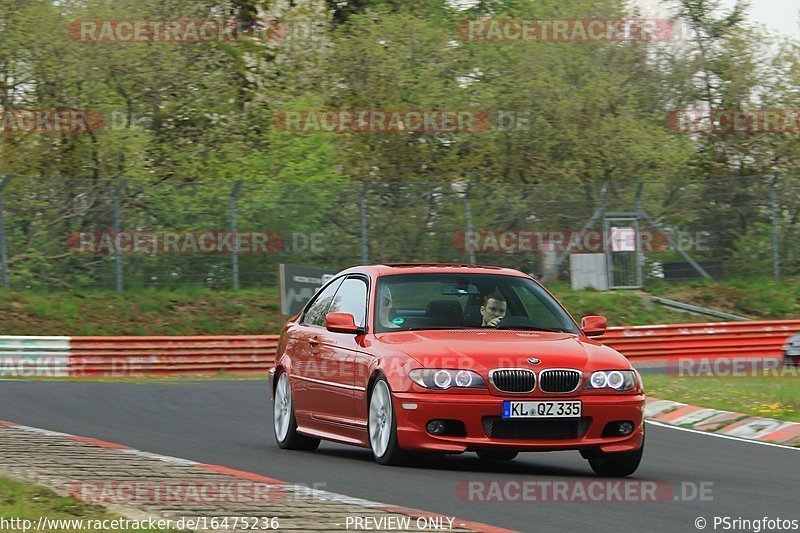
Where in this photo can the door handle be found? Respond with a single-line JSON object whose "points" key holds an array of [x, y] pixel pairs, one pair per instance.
{"points": [[313, 341]]}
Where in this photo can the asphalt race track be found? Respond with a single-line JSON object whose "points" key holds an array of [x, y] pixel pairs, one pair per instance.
{"points": [[228, 423]]}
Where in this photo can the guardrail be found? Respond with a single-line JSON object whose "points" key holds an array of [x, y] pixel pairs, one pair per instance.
{"points": [[239, 354], [752, 339], [34, 356], [97, 356], [697, 309]]}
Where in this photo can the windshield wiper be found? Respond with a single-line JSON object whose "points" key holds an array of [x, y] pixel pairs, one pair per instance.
{"points": [[534, 328], [423, 328]]}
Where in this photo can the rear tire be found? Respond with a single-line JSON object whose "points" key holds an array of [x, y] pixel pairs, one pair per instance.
{"points": [[382, 426], [616, 464], [284, 422], [497, 455]]}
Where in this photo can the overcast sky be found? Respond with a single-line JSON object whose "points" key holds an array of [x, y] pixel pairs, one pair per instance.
{"points": [[779, 16]]}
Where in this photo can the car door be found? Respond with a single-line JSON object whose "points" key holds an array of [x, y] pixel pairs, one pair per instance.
{"points": [[303, 346], [337, 353]]}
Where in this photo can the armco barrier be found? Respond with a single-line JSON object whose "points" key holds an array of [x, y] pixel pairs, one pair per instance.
{"points": [[124, 356], [93, 356], [752, 339], [33, 356]]}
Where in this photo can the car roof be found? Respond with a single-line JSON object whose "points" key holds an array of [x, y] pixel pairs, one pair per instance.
{"points": [[431, 268]]}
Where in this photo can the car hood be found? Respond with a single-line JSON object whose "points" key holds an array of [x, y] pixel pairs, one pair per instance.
{"points": [[487, 348]]}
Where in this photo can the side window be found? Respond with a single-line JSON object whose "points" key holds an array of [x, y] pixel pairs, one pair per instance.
{"points": [[352, 298], [315, 315]]}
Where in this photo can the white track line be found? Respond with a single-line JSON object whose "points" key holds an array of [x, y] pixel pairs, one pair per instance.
{"points": [[740, 439]]}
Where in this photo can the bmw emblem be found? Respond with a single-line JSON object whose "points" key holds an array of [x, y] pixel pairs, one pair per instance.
{"points": [[533, 361]]}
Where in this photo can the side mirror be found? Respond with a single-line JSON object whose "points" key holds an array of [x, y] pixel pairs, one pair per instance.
{"points": [[341, 323], [593, 326]]}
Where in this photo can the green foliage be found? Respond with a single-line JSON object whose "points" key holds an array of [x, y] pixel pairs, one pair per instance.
{"points": [[182, 114]]}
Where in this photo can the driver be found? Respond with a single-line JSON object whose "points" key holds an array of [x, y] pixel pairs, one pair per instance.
{"points": [[493, 310]]}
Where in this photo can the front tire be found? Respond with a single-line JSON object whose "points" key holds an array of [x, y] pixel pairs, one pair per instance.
{"points": [[284, 422], [382, 426], [616, 464]]}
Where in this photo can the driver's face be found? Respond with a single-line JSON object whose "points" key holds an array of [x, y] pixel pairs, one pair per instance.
{"points": [[493, 309]]}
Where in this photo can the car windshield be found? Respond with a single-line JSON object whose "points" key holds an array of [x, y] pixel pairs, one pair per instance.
{"points": [[459, 301]]}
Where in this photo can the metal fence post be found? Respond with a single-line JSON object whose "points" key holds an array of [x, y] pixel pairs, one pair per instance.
{"points": [[362, 204], [117, 229], [468, 220], [235, 252], [640, 257], [3, 250], [598, 213], [776, 265]]}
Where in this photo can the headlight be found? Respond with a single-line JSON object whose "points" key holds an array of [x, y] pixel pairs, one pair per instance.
{"points": [[445, 379], [442, 379], [612, 379], [464, 378]]}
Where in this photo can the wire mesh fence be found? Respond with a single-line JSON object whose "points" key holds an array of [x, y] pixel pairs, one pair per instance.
{"points": [[130, 234]]}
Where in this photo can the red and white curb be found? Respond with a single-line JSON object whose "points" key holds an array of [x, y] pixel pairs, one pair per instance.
{"points": [[250, 476], [724, 423]]}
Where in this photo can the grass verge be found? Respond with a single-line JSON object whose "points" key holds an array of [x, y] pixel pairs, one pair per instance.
{"points": [[622, 308], [202, 311], [766, 396], [30, 502], [756, 298]]}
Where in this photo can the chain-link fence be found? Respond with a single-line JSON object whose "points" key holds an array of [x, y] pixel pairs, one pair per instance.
{"points": [[128, 234]]}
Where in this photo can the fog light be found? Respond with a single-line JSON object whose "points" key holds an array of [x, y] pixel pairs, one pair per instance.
{"points": [[436, 427], [625, 428]]}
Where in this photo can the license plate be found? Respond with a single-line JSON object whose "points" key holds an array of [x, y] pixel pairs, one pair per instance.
{"points": [[570, 409]]}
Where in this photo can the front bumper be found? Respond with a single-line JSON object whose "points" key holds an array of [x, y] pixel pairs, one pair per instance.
{"points": [[473, 410]]}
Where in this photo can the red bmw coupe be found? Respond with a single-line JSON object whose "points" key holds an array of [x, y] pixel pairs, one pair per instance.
{"points": [[453, 358]]}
